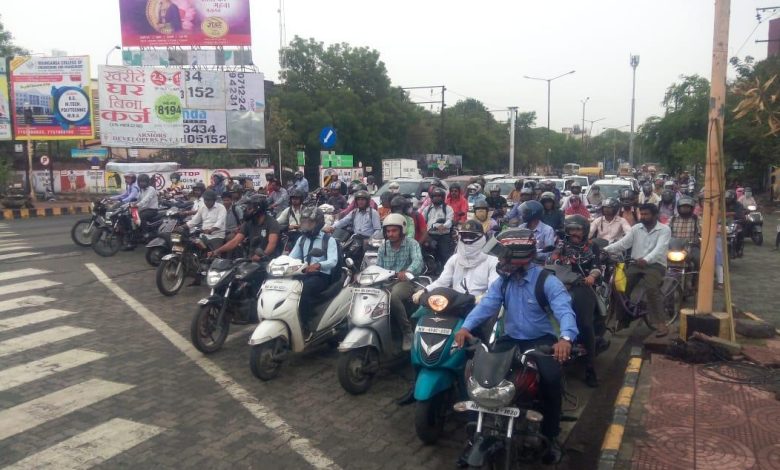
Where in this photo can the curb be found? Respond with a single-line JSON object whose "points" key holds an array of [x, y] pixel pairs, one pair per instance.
{"points": [[614, 435], [10, 214]]}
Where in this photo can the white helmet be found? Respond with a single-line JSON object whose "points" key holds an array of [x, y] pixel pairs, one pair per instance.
{"points": [[395, 219]]}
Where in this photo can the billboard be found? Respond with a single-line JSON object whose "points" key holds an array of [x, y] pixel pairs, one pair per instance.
{"points": [[168, 108], [51, 98], [5, 104], [148, 23]]}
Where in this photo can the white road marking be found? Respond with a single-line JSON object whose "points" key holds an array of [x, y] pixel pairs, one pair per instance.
{"points": [[55, 405], [21, 273], [7, 235], [91, 447], [14, 246], [40, 338], [271, 420], [32, 318], [25, 286], [21, 254], [27, 301], [25, 373]]}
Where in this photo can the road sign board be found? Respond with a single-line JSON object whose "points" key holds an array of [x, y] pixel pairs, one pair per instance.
{"points": [[44, 160], [94, 161], [330, 160], [328, 137], [18, 148]]}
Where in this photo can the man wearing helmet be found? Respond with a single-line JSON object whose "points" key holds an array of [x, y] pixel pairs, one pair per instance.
{"points": [[531, 213], [576, 190], [495, 200], [628, 206], [335, 198], [667, 207], [526, 194], [131, 189], [610, 226], [196, 194], [261, 231], [584, 258], [212, 219], [649, 242], [351, 205], [363, 220], [290, 218], [394, 187], [526, 322], [647, 194], [747, 198], [458, 203], [551, 216], [400, 205], [514, 196], [594, 196], [481, 215], [277, 197], [300, 183], [438, 219], [401, 254], [318, 273], [474, 193], [685, 225]]}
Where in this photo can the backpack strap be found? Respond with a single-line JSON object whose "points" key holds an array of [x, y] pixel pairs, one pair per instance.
{"points": [[541, 297], [324, 246]]}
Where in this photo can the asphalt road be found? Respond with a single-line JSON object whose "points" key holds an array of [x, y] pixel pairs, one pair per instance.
{"points": [[106, 376]]}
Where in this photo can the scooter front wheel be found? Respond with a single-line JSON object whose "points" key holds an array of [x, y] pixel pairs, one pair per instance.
{"points": [[206, 332], [262, 362], [429, 418], [355, 369]]}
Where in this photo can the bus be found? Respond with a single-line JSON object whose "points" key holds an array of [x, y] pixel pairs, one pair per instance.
{"points": [[571, 169]]}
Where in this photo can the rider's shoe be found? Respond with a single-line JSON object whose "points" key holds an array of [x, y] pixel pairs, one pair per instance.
{"points": [[554, 453]]}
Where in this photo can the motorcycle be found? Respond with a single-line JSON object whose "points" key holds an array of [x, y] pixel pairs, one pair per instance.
{"points": [[187, 259], [120, 225], [233, 299], [438, 364], [373, 339], [161, 245], [754, 225], [372, 250], [735, 240], [503, 389], [282, 331], [680, 265], [82, 230]]}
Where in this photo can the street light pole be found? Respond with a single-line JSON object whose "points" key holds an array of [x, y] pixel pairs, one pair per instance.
{"points": [[548, 80], [634, 64], [512, 117], [108, 54], [582, 129]]}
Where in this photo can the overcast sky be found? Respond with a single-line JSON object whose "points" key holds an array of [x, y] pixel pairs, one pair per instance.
{"points": [[477, 49]]}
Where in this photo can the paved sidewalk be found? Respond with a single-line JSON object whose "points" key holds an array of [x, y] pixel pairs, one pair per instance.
{"points": [[46, 209], [684, 419]]}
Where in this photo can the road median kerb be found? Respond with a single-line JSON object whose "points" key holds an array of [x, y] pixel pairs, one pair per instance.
{"points": [[11, 214], [614, 435]]}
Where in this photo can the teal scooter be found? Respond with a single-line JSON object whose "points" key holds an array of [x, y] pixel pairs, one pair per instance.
{"points": [[438, 364]]}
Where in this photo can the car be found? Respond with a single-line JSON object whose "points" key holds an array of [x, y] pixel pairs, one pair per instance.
{"points": [[583, 180], [611, 187], [495, 176], [414, 187], [507, 185]]}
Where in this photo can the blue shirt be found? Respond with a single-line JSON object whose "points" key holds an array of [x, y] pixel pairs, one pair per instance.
{"points": [[475, 198], [363, 222], [544, 234], [524, 317], [304, 245], [515, 212], [130, 194], [302, 185]]}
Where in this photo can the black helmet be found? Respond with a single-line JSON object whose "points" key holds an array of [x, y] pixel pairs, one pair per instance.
{"points": [[515, 249], [315, 215], [667, 196], [398, 204], [175, 177], [455, 186], [199, 185], [731, 196], [362, 194], [438, 192], [209, 195], [547, 196], [577, 221], [647, 187], [297, 193], [470, 231], [531, 210], [256, 205], [144, 178], [494, 188], [610, 203], [236, 188], [527, 191], [355, 187], [218, 177], [519, 184], [627, 197], [480, 205], [369, 179]]}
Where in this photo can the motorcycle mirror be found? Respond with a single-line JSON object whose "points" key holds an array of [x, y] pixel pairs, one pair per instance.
{"points": [[316, 253]]}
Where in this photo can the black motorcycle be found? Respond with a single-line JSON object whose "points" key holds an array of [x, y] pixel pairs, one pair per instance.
{"points": [[754, 225], [735, 240], [233, 299], [187, 259], [161, 245], [82, 230], [123, 226]]}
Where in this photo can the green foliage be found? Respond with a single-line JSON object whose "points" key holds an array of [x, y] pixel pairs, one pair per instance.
{"points": [[7, 46]]}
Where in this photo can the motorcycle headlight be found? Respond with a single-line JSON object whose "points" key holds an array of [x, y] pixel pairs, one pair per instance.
{"points": [[495, 397], [376, 242], [731, 228], [213, 277], [676, 256], [281, 270], [752, 208], [109, 214], [175, 238], [438, 303]]}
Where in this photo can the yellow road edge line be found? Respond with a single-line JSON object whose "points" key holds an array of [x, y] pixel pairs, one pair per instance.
{"points": [[614, 437]]}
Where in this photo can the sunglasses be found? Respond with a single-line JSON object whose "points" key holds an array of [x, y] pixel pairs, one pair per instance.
{"points": [[469, 237]]}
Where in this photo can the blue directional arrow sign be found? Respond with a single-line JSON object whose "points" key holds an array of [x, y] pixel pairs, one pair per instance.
{"points": [[328, 137]]}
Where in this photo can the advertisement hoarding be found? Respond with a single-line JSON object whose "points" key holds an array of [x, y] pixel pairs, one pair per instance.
{"points": [[147, 23], [5, 104], [51, 98]]}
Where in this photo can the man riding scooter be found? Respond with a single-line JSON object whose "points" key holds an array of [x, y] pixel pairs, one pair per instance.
{"points": [[526, 323], [438, 217]]}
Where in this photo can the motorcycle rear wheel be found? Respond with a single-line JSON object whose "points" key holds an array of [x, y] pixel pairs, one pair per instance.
{"points": [[203, 327], [351, 369], [106, 243], [758, 238], [170, 276], [429, 418], [81, 233], [262, 362]]}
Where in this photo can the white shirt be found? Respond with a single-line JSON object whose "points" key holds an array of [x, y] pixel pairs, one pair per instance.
{"points": [[210, 218], [147, 198], [612, 230], [478, 278], [653, 198], [648, 245]]}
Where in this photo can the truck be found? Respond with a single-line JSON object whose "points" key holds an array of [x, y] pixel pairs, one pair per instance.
{"points": [[400, 168]]}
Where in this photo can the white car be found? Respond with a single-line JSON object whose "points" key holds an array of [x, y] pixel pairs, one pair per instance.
{"points": [[611, 188]]}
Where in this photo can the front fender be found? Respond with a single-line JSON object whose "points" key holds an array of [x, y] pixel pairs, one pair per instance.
{"points": [[211, 300], [360, 338], [170, 256], [268, 330], [159, 241], [431, 382]]}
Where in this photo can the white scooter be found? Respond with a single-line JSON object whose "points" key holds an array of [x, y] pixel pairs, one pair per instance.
{"points": [[280, 331]]}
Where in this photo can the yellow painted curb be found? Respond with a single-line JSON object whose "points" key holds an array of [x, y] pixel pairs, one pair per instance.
{"points": [[614, 437]]}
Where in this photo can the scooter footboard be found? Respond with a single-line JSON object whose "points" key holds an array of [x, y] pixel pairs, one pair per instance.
{"points": [[430, 383], [360, 338], [268, 330]]}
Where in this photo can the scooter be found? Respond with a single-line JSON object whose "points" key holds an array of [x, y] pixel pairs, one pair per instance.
{"points": [[372, 250], [281, 331], [373, 340], [754, 225], [438, 364]]}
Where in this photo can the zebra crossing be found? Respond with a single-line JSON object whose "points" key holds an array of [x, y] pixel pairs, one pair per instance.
{"points": [[12, 247], [24, 328]]}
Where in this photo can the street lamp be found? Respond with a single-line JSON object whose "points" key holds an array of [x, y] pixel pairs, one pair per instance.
{"points": [[582, 130], [108, 54], [634, 64], [590, 130], [548, 80]]}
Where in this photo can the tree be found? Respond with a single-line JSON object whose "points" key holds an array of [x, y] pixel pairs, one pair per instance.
{"points": [[7, 46]]}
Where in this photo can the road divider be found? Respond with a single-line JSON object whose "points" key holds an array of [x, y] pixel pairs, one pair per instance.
{"points": [[614, 436], [10, 214]]}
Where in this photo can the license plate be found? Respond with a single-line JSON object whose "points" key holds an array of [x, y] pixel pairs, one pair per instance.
{"points": [[203, 301], [512, 412], [276, 287], [177, 249], [363, 290], [437, 331]]}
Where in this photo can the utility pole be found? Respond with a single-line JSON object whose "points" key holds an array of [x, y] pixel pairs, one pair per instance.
{"points": [[714, 170], [582, 129], [512, 117], [441, 145], [634, 64]]}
